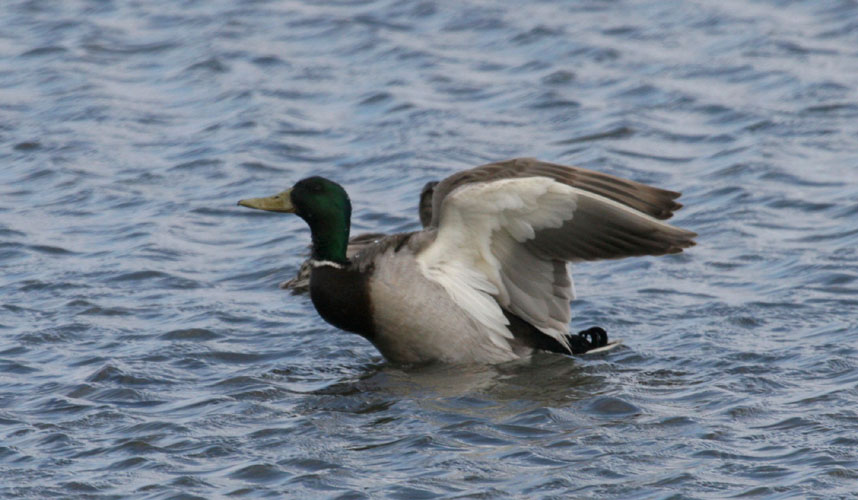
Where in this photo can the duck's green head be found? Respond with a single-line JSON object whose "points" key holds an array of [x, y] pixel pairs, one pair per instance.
{"points": [[324, 205]]}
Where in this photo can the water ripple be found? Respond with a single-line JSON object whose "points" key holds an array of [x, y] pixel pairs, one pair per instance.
{"points": [[148, 353]]}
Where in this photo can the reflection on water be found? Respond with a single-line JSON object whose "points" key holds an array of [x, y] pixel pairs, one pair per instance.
{"points": [[544, 380]]}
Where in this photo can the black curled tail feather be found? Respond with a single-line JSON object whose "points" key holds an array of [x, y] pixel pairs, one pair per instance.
{"points": [[587, 340], [528, 335]]}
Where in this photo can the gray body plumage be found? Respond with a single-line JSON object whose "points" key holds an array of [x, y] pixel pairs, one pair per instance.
{"points": [[415, 320]]}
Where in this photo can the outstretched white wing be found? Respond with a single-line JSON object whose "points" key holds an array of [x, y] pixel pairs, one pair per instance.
{"points": [[503, 244]]}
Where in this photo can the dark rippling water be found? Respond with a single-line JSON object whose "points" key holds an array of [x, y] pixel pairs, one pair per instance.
{"points": [[146, 351]]}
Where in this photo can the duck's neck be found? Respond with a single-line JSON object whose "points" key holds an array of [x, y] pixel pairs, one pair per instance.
{"points": [[330, 238], [339, 291]]}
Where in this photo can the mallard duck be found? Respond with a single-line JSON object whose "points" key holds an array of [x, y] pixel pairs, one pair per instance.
{"points": [[301, 282], [487, 280]]}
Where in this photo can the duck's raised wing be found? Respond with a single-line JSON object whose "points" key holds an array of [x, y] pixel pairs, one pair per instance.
{"points": [[650, 200], [503, 241]]}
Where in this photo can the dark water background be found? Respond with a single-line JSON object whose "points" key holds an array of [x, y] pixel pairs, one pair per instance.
{"points": [[146, 352]]}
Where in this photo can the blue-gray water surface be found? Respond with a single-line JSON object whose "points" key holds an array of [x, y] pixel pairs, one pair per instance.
{"points": [[146, 350]]}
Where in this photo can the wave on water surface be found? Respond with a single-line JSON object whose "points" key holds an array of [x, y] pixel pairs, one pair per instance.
{"points": [[147, 352]]}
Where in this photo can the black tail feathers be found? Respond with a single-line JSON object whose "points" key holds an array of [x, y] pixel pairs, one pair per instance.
{"points": [[589, 339]]}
